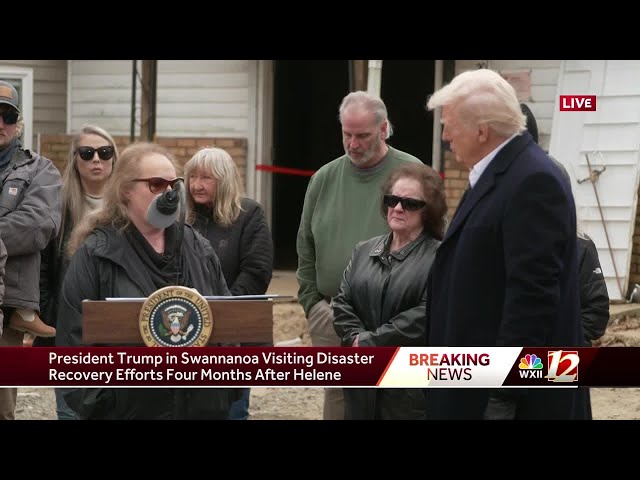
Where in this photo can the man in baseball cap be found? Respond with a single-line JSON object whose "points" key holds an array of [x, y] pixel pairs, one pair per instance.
{"points": [[9, 128], [30, 188], [9, 95]]}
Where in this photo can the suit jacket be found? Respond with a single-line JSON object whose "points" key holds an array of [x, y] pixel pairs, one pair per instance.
{"points": [[506, 274]]}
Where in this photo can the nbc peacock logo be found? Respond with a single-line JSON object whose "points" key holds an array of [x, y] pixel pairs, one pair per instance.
{"points": [[530, 366]]}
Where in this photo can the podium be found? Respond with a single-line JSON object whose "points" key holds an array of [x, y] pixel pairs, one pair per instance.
{"points": [[234, 321]]}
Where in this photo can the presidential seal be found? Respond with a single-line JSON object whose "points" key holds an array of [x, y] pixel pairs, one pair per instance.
{"points": [[176, 316]]}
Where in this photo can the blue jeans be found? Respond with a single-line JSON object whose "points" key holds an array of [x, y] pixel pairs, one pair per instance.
{"points": [[240, 408], [62, 409]]}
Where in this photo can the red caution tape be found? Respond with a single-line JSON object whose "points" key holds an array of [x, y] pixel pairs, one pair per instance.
{"points": [[296, 171], [285, 170]]}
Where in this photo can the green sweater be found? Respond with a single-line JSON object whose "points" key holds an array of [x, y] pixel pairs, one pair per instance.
{"points": [[341, 208]]}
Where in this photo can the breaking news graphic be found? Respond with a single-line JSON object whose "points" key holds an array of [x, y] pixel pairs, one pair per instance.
{"points": [[377, 367]]}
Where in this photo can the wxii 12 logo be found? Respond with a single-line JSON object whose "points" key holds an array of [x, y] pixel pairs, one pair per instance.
{"points": [[563, 366], [530, 366]]}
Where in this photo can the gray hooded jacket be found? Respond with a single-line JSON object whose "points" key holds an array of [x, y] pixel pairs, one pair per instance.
{"points": [[29, 218]]}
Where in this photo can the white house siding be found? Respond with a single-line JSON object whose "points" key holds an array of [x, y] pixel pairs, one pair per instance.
{"points": [[611, 138], [49, 94], [100, 94], [208, 98], [203, 98], [544, 81]]}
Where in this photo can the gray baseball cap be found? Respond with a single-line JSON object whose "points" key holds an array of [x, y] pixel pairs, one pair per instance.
{"points": [[9, 95]]}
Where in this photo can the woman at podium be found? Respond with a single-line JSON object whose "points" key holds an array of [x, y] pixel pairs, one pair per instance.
{"points": [[119, 251]]}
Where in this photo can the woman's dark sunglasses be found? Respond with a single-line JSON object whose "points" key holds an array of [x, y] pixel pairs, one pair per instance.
{"points": [[87, 153], [158, 184], [10, 117], [410, 204]]}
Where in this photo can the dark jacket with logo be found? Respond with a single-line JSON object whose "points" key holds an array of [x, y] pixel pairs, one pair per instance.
{"points": [[382, 300], [107, 266], [29, 219], [594, 298]]}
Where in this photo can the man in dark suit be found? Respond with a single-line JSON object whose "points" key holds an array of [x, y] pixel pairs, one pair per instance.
{"points": [[506, 273]]}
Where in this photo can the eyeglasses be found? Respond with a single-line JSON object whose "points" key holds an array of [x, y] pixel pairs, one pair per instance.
{"points": [[10, 117], [87, 153], [158, 184], [410, 204]]}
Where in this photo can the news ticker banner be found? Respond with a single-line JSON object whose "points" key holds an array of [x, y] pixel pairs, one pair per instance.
{"points": [[385, 367]]}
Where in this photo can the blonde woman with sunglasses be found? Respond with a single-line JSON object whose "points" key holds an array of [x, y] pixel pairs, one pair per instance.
{"points": [[92, 155], [118, 252]]}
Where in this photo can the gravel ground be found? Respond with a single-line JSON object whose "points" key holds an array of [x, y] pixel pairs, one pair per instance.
{"points": [[266, 404], [306, 404]]}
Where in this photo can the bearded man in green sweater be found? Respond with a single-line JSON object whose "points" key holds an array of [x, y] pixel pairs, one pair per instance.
{"points": [[342, 208]]}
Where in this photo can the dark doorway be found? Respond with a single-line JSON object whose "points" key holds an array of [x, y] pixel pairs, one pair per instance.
{"points": [[306, 135], [405, 86]]}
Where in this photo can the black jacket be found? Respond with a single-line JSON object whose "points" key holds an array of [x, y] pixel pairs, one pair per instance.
{"points": [[382, 300], [594, 298], [245, 248], [107, 266], [382, 295], [53, 266], [3, 262]]}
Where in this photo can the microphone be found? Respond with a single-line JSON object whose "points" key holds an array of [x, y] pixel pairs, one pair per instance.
{"points": [[165, 208]]}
